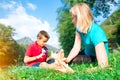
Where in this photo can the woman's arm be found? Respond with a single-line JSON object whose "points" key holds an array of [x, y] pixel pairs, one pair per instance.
{"points": [[101, 55], [76, 48]]}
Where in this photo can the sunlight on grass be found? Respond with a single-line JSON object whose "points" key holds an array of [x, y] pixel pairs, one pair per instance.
{"points": [[112, 72]]}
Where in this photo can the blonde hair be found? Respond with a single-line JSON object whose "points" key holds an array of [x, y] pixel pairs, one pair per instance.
{"points": [[84, 16]]}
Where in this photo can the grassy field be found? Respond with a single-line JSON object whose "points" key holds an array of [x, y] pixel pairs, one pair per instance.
{"points": [[82, 72]]}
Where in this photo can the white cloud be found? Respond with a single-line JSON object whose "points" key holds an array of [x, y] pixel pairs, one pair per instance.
{"points": [[31, 6], [7, 5], [28, 25]]}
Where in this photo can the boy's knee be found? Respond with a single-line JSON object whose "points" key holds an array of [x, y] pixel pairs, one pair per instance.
{"points": [[43, 64]]}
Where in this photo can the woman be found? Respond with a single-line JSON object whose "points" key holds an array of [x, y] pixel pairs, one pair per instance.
{"points": [[88, 34]]}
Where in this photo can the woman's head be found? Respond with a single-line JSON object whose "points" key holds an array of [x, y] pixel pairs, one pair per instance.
{"points": [[42, 38], [83, 16]]}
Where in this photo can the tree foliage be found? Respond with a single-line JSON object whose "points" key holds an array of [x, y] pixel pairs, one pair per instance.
{"points": [[8, 46], [66, 31], [22, 49], [112, 28], [103, 7]]}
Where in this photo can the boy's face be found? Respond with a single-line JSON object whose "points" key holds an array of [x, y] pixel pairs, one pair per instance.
{"points": [[41, 42]]}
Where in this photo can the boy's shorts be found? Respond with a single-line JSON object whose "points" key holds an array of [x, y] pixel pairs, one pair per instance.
{"points": [[38, 63]]}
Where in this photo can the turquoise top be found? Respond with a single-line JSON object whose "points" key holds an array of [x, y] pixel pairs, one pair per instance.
{"points": [[94, 36]]}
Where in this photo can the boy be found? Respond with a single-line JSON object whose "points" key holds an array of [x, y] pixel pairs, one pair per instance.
{"points": [[36, 53]]}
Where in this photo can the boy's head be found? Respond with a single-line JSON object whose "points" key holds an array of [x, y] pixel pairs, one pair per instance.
{"points": [[42, 38]]}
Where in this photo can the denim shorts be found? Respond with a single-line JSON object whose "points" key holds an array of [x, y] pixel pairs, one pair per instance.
{"points": [[49, 62], [37, 64]]}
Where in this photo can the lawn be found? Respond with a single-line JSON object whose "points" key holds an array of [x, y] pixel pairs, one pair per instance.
{"points": [[82, 72]]}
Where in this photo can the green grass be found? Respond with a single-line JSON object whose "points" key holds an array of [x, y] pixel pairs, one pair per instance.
{"points": [[112, 72]]}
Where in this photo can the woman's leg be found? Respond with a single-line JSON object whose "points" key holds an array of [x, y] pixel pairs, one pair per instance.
{"points": [[82, 58], [51, 61]]}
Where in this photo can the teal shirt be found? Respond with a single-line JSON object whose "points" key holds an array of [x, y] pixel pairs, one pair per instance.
{"points": [[94, 36]]}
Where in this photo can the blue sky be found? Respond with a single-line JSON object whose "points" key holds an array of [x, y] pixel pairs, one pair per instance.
{"points": [[28, 17]]}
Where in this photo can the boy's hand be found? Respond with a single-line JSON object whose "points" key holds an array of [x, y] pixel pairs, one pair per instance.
{"points": [[40, 56], [43, 51]]}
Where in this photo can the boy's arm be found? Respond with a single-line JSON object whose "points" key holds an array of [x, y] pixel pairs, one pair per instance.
{"points": [[29, 59]]}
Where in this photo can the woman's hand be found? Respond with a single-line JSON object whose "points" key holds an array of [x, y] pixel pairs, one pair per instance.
{"points": [[65, 60]]}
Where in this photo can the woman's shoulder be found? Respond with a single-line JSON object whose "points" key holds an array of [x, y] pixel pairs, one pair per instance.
{"points": [[96, 28], [95, 25], [97, 31]]}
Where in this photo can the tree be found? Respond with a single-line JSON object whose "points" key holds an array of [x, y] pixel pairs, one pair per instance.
{"points": [[103, 7], [66, 31], [8, 46], [99, 7]]}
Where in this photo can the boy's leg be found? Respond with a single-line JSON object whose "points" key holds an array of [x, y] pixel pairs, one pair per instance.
{"points": [[50, 66], [62, 67]]}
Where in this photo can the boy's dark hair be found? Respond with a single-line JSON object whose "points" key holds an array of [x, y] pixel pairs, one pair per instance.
{"points": [[43, 33]]}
